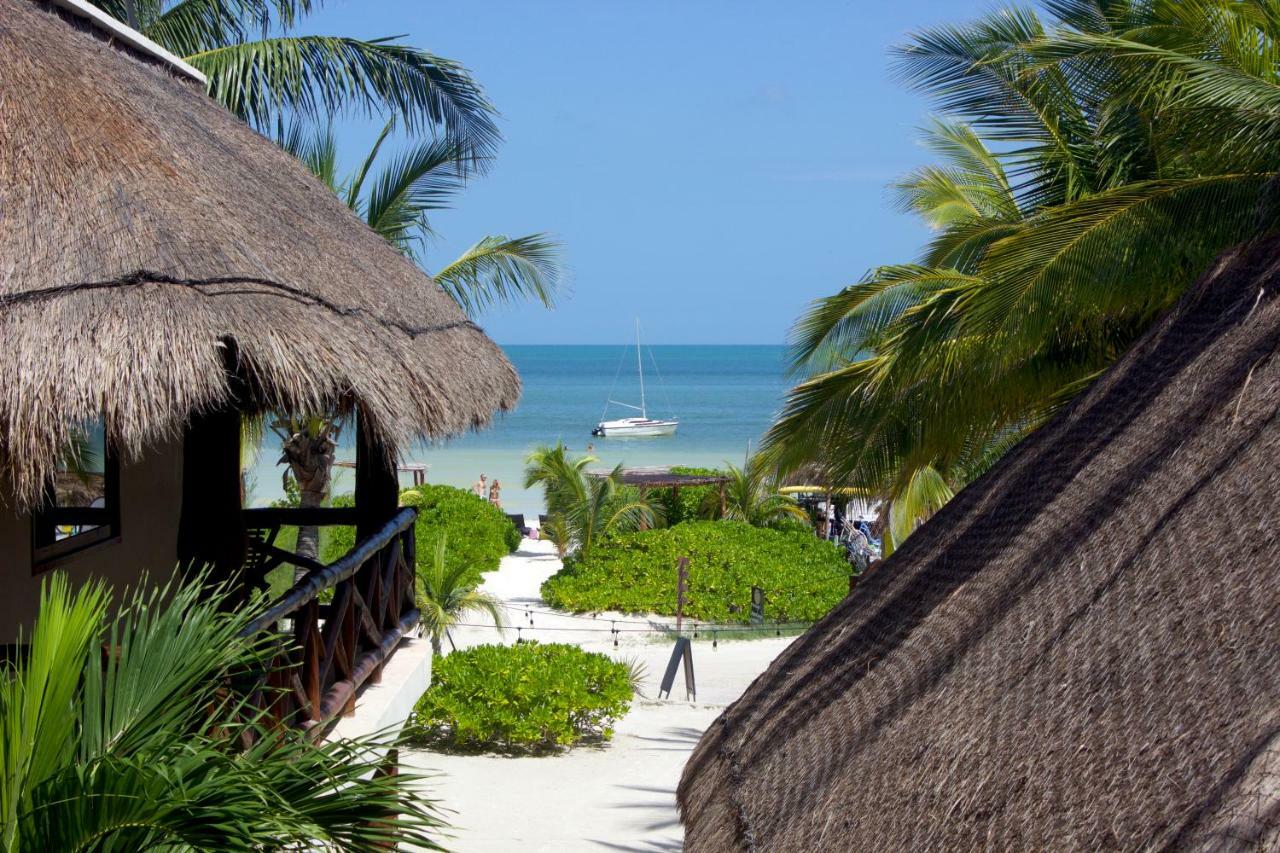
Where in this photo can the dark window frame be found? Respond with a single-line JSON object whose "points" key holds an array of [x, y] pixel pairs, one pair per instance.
{"points": [[49, 552]]}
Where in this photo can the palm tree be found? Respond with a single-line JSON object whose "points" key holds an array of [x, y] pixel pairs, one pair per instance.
{"points": [[395, 202], [263, 73], [561, 476], [555, 531], [146, 748], [587, 506], [445, 595], [752, 495], [1091, 168], [396, 199]]}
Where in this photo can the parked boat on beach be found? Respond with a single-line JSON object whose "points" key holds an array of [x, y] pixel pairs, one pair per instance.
{"points": [[643, 426]]}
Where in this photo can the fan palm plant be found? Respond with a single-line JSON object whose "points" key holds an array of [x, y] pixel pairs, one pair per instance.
{"points": [[144, 747], [752, 495], [446, 594], [264, 72], [587, 506], [1090, 168]]}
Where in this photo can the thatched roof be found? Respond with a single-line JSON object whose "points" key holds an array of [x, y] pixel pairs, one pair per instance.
{"points": [[146, 233], [1079, 652], [663, 478]]}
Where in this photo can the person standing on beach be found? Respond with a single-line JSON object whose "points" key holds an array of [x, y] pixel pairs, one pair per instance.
{"points": [[478, 488], [494, 491]]}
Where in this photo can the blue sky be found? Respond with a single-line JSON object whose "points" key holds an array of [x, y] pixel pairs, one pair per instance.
{"points": [[711, 166]]}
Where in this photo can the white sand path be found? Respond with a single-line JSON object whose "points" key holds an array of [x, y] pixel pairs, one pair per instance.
{"points": [[620, 796]]}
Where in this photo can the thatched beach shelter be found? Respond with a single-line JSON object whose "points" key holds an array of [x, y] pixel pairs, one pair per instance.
{"points": [[165, 271], [1080, 652]]}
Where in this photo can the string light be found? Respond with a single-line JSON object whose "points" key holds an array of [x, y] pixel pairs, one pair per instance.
{"points": [[650, 625]]}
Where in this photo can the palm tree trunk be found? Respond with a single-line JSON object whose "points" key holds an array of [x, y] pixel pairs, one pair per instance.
{"points": [[310, 458]]}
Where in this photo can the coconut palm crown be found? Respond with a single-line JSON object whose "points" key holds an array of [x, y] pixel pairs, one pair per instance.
{"points": [[1090, 166], [588, 507]]}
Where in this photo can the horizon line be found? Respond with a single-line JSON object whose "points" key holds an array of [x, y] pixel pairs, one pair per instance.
{"points": [[616, 344]]}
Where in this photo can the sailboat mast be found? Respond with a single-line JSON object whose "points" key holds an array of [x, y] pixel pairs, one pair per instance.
{"points": [[640, 366]]}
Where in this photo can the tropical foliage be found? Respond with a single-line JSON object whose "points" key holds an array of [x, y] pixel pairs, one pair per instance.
{"points": [[802, 576], [751, 495], [586, 507], [263, 71], [527, 697], [445, 597], [146, 747], [478, 533], [690, 503], [395, 199], [1090, 167]]}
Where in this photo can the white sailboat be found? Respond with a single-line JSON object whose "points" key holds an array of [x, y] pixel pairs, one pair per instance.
{"points": [[635, 427]]}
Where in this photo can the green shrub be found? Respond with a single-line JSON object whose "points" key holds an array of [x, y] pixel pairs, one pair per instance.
{"points": [[529, 697], [802, 576], [479, 533], [691, 503]]}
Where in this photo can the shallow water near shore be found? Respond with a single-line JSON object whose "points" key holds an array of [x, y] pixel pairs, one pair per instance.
{"points": [[724, 396]]}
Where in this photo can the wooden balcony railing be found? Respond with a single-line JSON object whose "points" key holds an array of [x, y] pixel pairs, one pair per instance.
{"points": [[328, 650]]}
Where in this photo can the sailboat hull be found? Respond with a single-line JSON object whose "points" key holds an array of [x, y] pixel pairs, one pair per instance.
{"points": [[635, 427]]}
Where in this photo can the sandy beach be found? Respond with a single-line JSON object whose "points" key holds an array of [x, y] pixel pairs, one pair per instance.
{"points": [[620, 796]]}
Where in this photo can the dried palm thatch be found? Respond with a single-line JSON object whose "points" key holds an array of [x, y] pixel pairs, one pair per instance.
{"points": [[1078, 653], [147, 236]]}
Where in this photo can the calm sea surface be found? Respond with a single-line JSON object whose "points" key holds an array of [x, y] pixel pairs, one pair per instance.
{"points": [[724, 396]]}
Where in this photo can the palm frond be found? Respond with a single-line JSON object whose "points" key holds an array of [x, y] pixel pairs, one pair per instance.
{"points": [[925, 492], [191, 26], [317, 148], [502, 270], [314, 77], [849, 325], [1129, 249], [142, 747], [419, 179]]}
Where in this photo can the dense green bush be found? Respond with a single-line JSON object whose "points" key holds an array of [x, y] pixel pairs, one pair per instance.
{"points": [[479, 534], [529, 697], [802, 576], [691, 502]]}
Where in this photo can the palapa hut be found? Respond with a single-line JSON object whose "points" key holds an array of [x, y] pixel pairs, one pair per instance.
{"points": [[164, 271], [1080, 652]]}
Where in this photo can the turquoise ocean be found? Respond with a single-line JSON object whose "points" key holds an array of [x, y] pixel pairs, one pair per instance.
{"points": [[724, 396]]}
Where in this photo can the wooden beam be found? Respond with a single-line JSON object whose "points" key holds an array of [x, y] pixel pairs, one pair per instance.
{"points": [[211, 530], [377, 482]]}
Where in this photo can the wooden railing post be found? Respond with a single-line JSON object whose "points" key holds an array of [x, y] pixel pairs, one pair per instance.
{"points": [[411, 566], [371, 611], [350, 643], [307, 634]]}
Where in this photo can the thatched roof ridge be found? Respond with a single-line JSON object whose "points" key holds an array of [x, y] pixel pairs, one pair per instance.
{"points": [[1077, 653], [147, 235]]}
